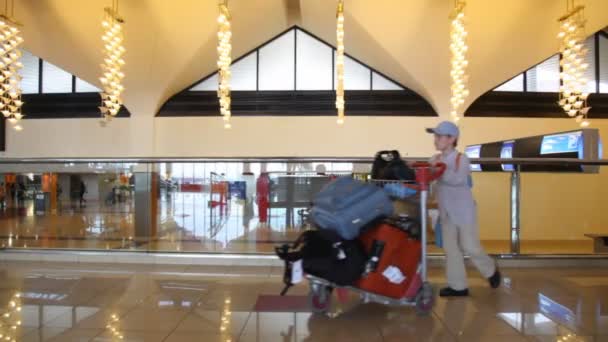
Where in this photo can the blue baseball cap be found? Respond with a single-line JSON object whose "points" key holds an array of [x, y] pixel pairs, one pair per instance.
{"points": [[445, 128]]}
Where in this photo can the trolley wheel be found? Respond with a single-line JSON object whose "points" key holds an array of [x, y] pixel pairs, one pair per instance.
{"points": [[425, 299], [320, 298]]}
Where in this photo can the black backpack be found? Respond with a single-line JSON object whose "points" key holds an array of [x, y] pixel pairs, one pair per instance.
{"points": [[388, 165], [324, 255]]}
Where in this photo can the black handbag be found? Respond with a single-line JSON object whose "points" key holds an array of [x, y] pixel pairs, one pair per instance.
{"points": [[388, 165]]}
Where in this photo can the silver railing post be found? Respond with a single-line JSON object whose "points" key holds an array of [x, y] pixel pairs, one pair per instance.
{"points": [[515, 209]]}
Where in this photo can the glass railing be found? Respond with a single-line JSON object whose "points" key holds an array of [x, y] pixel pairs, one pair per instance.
{"points": [[251, 205]]}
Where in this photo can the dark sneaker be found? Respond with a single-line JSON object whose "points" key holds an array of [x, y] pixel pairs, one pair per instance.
{"points": [[495, 279], [450, 292]]}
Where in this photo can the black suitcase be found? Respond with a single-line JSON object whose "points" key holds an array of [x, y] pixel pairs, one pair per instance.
{"points": [[323, 254]]}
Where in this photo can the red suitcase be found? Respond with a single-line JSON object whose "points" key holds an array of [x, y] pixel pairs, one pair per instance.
{"points": [[399, 251]]}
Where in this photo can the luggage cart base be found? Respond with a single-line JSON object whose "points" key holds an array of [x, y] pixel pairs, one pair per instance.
{"points": [[321, 292]]}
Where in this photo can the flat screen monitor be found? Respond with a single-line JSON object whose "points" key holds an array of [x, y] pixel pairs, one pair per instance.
{"points": [[473, 152], [570, 142], [506, 152]]}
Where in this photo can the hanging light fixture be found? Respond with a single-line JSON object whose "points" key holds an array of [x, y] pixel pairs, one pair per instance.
{"points": [[459, 63], [340, 62], [572, 93], [10, 64], [224, 60], [111, 73]]}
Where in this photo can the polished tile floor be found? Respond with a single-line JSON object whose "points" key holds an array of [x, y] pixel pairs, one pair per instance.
{"points": [[187, 224], [108, 302]]}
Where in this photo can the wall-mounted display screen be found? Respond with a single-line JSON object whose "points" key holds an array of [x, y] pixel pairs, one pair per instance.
{"points": [[473, 152], [506, 152], [562, 143], [579, 144]]}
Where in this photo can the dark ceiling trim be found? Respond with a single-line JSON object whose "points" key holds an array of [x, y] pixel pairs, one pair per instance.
{"points": [[300, 103], [65, 106], [530, 105]]}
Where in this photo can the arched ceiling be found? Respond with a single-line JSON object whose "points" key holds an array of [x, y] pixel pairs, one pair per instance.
{"points": [[171, 44]]}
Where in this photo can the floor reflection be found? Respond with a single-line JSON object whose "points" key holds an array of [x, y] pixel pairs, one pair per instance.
{"points": [[97, 302]]}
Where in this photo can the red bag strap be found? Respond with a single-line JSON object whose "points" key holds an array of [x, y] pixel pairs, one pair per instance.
{"points": [[458, 160]]}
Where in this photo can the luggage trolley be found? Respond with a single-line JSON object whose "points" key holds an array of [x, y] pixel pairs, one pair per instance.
{"points": [[321, 290]]}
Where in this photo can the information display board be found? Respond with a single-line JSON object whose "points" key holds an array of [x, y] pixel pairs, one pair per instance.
{"points": [[582, 144], [473, 152], [506, 152], [563, 143]]}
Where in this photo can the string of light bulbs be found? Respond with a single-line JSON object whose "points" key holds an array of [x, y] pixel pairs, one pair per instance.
{"points": [[113, 52], [459, 63], [10, 64], [340, 103], [224, 60], [572, 95]]}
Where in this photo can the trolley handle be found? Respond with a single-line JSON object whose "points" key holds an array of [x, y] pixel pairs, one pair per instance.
{"points": [[427, 173]]}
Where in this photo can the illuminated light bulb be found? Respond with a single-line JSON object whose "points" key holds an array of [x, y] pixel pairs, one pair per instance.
{"points": [[111, 68], [585, 123]]}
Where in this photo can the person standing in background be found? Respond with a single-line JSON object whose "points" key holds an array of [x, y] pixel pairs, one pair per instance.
{"points": [[83, 190], [2, 196], [13, 192], [21, 190]]}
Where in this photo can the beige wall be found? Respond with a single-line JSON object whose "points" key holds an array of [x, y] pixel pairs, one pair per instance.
{"points": [[554, 206], [257, 136]]}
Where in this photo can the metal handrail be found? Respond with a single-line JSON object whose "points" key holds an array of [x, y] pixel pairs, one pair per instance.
{"points": [[514, 196], [152, 160]]}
